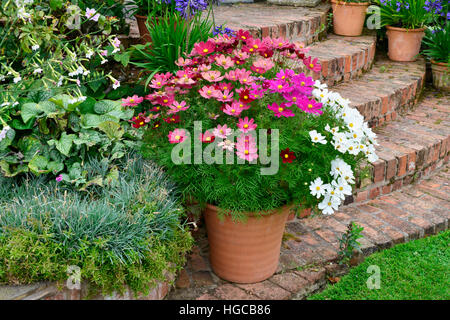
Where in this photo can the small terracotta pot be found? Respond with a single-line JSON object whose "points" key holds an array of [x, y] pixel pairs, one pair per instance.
{"points": [[143, 31], [348, 17], [245, 252], [441, 75], [404, 44]]}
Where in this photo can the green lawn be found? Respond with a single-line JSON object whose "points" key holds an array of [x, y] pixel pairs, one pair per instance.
{"points": [[418, 269]]}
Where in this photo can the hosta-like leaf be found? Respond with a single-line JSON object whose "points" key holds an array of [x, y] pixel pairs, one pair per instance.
{"points": [[94, 120], [12, 172], [106, 106], [64, 144], [38, 165], [8, 139], [55, 166], [112, 129]]}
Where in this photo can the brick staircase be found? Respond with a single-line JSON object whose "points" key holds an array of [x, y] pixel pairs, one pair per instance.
{"points": [[391, 203]]}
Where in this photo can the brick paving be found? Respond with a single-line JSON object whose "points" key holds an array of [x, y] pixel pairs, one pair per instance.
{"points": [[309, 252]]}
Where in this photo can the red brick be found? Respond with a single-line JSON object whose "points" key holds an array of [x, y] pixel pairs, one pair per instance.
{"points": [[289, 281], [232, 292], [266, 290]]}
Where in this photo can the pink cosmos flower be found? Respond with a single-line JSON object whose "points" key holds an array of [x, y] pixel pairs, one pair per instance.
{"points": [[224, 62], [158, 83], [177, 135], [176, 107], [246, 148], [280, 43], [204, 67], [206, 137], [234, 109], [208, 92], [280, 86], [241, 54], [204, 48], [212, 76], [232, 75], [181, 62], [165, 100], [132, 101], [222, 131], [246, 125], [310, 106], [262, 65], [244, 76], [312, 65], [224, 96], [280, 110]]}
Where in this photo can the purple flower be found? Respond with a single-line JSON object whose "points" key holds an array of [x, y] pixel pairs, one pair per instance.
{"points": [[59, 178], [189, 8]]}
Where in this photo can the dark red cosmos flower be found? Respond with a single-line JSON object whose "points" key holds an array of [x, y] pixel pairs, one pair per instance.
{"points": [[245, 97], [207, 137], [173, 119], [266, 53], [287, 156], [156, 109], [238, 61], [156, 125], [138, 122]]}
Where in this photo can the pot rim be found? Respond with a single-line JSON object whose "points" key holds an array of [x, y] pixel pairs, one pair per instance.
{"points": [[140, 17], [442, 64], [253, 214], [345, 3], [405, 29]]}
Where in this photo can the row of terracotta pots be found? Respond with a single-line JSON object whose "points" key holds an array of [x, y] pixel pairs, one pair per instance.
{"points": [[403, 44]]}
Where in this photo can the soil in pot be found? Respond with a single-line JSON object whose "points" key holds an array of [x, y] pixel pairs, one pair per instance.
{"points": [[404, 44], [441, 75], [245, 252], [348, 17]]}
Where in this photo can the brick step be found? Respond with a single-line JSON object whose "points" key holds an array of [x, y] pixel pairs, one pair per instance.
{"points": [[262, 20], [343, 58], [309, 253], [410, 147], [389, 89]]}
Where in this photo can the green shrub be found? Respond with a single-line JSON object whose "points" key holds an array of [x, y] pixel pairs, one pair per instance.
{"points": [[129, 233], [58, 135]]}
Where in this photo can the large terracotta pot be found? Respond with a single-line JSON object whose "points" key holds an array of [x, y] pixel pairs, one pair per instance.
{"points": [[404, 44], [143, 31], [348, 17], [245, 252], [441, 75]]}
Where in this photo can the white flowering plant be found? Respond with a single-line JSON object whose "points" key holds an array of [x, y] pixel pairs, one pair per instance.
{"points": [[52, 45]]}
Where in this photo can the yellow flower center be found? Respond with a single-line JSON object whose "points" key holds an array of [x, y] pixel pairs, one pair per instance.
{"points": [[205, 50], [132, 100], [245, 126], [286, 156], [158, 83], [165, 100], [246, 151], [294, 99], [310, 106], [311, 65], [245, 97], [244, 80], [302, 83], [177, 137], [233, 111], [317, 188], [280, 109], [209, 92]]}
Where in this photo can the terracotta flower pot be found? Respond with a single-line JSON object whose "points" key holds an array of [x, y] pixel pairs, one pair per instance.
{"points": [[348, 17], [441, 75], [404, 44], [143, 31], [245, 252]]}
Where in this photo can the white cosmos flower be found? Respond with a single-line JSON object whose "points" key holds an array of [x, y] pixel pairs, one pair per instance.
{"points": [[226, 145], [319, 85], [317, 188], [329, 204], [317, 137], [341, 188]]}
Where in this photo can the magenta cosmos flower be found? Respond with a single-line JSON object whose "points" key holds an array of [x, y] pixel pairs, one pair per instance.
{"points": [[177, 135], [246, 125], [310, 106], [132, 101], [312, 65], [204, 48], [280, 110]]}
